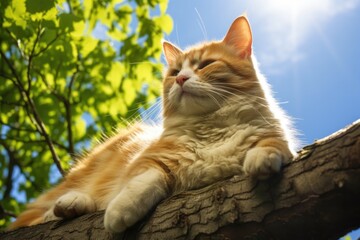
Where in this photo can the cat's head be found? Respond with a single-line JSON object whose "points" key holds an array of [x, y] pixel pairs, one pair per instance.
{"points": [[204, 78]]}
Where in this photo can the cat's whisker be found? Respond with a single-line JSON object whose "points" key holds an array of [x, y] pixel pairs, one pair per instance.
{"points": [[201, 24], [135, 112], [243, 93], [148, 114], [208, 89], [232, 86], [214, 98], [177, 35], [230, 100]]}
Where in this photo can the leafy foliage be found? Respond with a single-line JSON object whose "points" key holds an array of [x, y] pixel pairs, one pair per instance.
{"points": [[68, 71]]}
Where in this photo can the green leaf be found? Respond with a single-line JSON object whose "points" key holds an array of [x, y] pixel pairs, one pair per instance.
{"points": [[35, 6], [144, 71], [88, 45], [163, 6], [88, 5], [129, 92], [165, 22], [79, 128], [67, 20], [16, 13], [115, 74], [78, 29]]}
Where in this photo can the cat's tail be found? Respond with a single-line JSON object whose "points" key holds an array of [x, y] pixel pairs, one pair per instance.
{"points": [[31, 216], [36, 212]]}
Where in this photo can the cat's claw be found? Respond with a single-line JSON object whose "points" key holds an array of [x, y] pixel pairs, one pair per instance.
{"points": [[262, 162], [74, 204]]}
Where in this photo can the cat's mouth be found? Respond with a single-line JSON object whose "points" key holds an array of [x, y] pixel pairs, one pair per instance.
{"points": [[186, 93]]}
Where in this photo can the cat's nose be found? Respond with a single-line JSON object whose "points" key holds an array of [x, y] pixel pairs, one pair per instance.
{"points": [[181, 79]]}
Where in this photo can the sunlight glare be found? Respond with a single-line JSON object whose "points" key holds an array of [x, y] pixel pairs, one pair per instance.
{"points": [[288, 24]]}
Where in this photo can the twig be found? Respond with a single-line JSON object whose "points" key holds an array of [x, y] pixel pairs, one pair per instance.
{"points": [[17, 128], [16, 81], [45, 134], [9, 177], [47, 46], [67, 105], [31, 56], [4, 213], [31, 141], [39, 123], [12, 69], [17, 163]]}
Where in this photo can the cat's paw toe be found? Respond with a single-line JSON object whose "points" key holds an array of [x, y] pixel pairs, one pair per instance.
{"points": [[74, 204], [262, 162]]}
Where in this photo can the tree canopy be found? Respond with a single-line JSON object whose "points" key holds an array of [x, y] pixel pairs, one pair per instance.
{"points": [[69, 71]]}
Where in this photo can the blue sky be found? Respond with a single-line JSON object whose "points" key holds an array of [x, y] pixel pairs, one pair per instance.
{"points": [[308, 50]]}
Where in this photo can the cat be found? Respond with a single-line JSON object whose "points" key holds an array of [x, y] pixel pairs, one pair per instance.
{"points": [[219, 120]]}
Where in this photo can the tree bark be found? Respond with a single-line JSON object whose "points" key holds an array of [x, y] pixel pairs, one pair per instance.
{"points": [[316, 196]]}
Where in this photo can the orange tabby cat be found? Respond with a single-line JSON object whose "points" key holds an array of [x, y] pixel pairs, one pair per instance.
{"points": [[219, 120]]}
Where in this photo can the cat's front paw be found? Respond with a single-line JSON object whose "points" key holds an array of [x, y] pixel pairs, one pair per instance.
{"points": [[73, 204], [262, 162], [119, 216]]}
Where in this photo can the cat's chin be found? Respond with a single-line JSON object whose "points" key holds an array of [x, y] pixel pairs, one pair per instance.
{"points": [[189, 96], [190, 104]]}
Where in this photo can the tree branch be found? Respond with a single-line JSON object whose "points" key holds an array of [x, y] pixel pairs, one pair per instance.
{"points": [[39, 123], [315, 197]]}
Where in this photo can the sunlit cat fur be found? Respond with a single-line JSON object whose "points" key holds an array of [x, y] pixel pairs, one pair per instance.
{"points": [[219, 121]]}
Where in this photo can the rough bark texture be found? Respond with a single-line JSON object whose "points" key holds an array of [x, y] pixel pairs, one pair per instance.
{"points": [[315, 197]]}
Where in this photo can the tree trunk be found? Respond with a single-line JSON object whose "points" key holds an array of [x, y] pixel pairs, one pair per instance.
{"points": [[316, 196]]}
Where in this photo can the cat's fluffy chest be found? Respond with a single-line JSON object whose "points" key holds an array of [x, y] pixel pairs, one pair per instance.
{"points": [[218, 144], [214, 147], [219, 135]]}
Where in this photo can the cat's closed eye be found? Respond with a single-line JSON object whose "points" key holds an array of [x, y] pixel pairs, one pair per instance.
{"points": [[205, 63], [173, 72]]}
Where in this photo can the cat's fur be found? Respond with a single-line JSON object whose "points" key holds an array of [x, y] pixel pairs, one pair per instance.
{"points": [[219, 120]]}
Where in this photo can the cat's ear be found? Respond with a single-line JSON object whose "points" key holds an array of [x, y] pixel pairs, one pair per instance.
{"points": [[171, 52], [239, 36]]}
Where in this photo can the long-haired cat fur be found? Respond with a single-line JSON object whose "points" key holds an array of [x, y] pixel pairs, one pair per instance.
{"points": [[219, 120]]}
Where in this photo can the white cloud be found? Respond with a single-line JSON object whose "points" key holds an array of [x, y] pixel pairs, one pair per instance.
{"points": [[287, 24]]}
